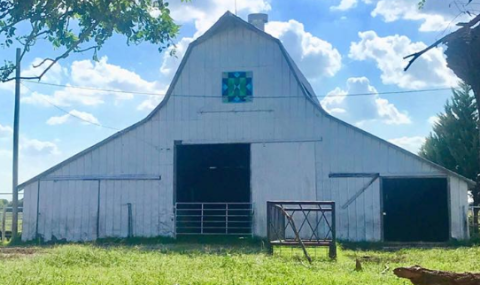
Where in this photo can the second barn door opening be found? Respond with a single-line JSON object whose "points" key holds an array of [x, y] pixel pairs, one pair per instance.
{"points": [[213, 189], [415, 209]]}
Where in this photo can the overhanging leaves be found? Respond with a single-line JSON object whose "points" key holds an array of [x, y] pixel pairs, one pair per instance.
{"points": [[73, 26]]}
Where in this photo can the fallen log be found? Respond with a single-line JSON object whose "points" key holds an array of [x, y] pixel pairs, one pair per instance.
{"points": [[421, 276]]}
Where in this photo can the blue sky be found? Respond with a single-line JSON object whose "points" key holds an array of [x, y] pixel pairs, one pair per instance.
{"points": [[342, 46]]}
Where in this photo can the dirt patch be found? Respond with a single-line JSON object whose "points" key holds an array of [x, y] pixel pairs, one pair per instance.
{"points": [[378, 259], [17, 252]]}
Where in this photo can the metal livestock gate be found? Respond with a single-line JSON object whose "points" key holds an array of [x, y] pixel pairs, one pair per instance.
{"points": [[302, 224], [213, 219]]}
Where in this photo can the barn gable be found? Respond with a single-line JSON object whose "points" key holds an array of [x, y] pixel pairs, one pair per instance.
{"points": [[295, 146]]}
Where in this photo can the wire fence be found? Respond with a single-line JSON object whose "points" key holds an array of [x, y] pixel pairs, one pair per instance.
{"points": [[473, 225], [6, 219]]}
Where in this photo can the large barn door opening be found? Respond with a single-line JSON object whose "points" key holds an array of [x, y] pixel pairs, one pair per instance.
{"points": [[213, 189], [415, 209]]}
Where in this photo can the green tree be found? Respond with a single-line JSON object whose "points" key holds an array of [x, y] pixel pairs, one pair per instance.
{"points": [[454, 142], [73, 26]]}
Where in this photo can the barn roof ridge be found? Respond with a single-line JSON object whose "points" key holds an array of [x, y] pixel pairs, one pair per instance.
{"points": [[301, 79]]}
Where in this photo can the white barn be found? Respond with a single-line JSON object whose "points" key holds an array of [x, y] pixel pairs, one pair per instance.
{"points": [[241, 124]]}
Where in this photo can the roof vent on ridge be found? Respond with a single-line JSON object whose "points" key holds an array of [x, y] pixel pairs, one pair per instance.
{"points": [[258, 20]]}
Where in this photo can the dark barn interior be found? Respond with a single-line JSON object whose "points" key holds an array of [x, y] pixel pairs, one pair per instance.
{"points": [[213, 173], [213, 189], [415, 209]]}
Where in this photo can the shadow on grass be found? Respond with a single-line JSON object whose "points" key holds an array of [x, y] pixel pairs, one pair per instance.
{"points": [[224, 244], [184, 244], [396, 246]]}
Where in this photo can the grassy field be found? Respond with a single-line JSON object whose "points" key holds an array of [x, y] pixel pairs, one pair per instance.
{"points": [[189, 263]]}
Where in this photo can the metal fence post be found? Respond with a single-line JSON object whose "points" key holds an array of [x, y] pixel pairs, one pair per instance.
{"points": [[333, 245], [269, 227], [226, 218], [130, 220], [201, 221], [4, 219], [175, 220]]}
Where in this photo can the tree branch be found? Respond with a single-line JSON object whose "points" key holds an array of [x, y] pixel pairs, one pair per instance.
{"points": [[445, 39], [82, 38], [416, 55], [42, 62], [87, 49], [23, 78]]}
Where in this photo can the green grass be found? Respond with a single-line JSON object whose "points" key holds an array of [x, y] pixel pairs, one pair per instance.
{"points": [[245, 262]]}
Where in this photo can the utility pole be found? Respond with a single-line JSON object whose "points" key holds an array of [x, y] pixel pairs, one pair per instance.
{"points": [[16, 123]]}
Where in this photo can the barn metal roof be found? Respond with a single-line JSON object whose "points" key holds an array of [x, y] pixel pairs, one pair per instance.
{"points": [[227, 19]]}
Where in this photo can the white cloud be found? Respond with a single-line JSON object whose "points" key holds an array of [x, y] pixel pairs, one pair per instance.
{"points": [[411, 144], [170, 63], [334, 99], [430, 70], [86, 117], [359, 110], [8, 86], [435, 16], [433, 120], [54, 75], [315, 57], [390, 114], [206, 12], [6, 132], [101, 75], [34, 147], [347, 5], [5, 153], [149, 104], [152, 102], [58, 120]]}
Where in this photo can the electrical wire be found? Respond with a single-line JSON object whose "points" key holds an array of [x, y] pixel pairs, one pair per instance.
{"points": [[70, 113], [157, 94], [93, 123], [210, 96]]}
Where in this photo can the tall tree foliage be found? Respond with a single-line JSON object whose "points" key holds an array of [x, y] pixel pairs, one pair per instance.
{"points": [[454, 142], [74, 26]]}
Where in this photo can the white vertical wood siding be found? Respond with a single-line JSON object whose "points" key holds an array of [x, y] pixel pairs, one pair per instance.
{"points": [[458, 209], [281, 171], [319, 145]]}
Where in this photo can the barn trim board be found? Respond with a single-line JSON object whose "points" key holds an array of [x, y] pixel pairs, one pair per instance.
{"points": [[297, 152]]}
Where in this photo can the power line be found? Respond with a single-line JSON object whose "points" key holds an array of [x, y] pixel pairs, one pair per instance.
{"points": [[390, 92], [210, 96], [94, 88], [89, 122], [73, 115]]}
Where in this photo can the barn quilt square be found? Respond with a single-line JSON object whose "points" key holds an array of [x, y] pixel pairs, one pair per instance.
{"points": [[237, 87]]}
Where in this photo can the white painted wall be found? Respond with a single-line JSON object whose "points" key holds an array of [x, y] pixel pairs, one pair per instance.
{"points": [[281, 171], [320, 145]]}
